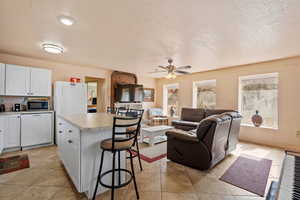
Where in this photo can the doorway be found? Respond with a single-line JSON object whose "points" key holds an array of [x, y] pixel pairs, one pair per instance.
{"points": [[95, 94]]}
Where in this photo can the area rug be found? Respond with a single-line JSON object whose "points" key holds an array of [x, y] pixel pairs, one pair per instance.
{"points": [[249, 173], [13, 163], [153, 153]]}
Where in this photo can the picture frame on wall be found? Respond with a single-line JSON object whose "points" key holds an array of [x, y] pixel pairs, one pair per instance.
{"points": [[148, 94]]}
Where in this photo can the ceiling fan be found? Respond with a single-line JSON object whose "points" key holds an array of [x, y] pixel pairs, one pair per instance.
{"points": [[172, 70]]}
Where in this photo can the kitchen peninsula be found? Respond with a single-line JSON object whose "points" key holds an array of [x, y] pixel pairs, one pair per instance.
{"points": [[78, 141]]}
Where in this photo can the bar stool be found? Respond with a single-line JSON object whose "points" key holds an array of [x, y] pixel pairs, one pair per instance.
{"points": [[122, 111], [136, 113], [122, 140]]}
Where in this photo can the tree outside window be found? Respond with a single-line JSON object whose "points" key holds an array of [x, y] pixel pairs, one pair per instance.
{"points": [[259, 93], [204, 94]]}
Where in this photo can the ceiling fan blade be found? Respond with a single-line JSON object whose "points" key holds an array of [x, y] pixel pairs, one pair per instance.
{"points": [[184, 67], [157, 71], [162, 67], [181, 72]]}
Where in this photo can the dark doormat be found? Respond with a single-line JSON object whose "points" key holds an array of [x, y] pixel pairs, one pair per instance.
{"points": [[13, 163], [249, 173]]}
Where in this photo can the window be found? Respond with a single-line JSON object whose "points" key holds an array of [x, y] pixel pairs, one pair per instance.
{"points": [[171, 100], [204, 94], [259, 93]]}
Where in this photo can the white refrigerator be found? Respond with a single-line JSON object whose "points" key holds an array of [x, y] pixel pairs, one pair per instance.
{"points": [[70, 98]]}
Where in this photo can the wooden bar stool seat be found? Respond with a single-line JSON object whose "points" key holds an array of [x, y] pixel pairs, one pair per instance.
{"points": [[122, 145]]}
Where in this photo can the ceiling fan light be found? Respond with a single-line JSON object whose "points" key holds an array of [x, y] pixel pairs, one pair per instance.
{"points": [[171, 76]]}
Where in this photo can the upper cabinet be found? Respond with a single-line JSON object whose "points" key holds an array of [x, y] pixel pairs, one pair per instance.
{"points": [[2, 79], [27, 81], [17, 80], [40, 82]]}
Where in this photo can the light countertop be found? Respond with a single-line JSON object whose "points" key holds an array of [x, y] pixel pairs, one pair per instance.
{"points": [[90, 121], [26, 112]]}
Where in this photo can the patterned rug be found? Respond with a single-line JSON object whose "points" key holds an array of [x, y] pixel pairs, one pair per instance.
{"points": [[153, 153], [249, 173], [13, 163]]}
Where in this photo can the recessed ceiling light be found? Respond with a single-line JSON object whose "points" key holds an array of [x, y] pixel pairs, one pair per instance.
{"points": [[52, 48], [68, 21]]}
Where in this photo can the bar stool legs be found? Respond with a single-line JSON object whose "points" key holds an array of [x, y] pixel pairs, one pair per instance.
{"points": [[113, 176], [133, 176], [138, 154], [113, 186], [99, 175]]}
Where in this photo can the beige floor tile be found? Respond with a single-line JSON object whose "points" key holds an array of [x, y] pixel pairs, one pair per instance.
{"points": [[178, 183], [149, 182], [23, 177], [179, 196], [53, 177], [38, 193], [9, 192], [143, 196], [68, 194], [160, 180]]}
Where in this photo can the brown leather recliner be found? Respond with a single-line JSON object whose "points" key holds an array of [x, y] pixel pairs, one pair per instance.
{"points": [[202, 148], [191, 117], [235, 125]]}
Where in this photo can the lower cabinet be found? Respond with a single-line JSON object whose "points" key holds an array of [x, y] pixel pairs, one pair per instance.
{"points": [[25, 130], [36, 129], [10, 126], [68, 142], [1, 135]]}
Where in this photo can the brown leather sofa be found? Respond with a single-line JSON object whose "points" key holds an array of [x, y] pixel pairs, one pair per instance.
{"points": [[191, 117], [215, 137]]}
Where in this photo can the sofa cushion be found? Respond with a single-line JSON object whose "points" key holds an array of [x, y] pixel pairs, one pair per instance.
{"points": [[192, 114], [210, 112]]}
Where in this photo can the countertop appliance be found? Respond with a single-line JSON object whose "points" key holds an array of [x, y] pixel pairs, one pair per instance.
{"points": [[38, 105], [17, 107]]}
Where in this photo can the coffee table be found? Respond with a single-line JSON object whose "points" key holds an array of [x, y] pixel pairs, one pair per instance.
{"points": [[152, 132]]}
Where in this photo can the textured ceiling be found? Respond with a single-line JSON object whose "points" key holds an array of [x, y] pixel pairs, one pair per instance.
{"points": [[138, 35]]}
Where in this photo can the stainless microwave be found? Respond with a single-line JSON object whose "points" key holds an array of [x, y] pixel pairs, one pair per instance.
{"points": [[38, 105]]}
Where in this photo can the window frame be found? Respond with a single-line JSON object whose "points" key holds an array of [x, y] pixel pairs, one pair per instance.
{"points": [[253, 77], [195, 87], [165, 96]]}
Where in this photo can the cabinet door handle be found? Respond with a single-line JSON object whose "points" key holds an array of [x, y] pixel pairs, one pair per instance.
{"points": [[70, 141], [60, 131], [60, 124], [70, 131]]}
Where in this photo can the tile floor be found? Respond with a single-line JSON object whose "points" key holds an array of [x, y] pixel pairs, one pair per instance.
{"points": [[161, 180]]}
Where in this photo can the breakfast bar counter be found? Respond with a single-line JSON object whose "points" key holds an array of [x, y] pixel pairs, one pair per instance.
{"points": [[78, 141]]}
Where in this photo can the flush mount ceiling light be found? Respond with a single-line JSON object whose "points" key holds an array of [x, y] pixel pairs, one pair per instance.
{"points": [[65, 20], [52, 48]]}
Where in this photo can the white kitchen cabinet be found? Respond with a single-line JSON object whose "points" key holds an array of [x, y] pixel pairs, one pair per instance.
{"points": [[69, 150], [17, 80], [36, 129], [27, 81], [2, 79], [1, 135], [11, 130], [40, 82]]}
